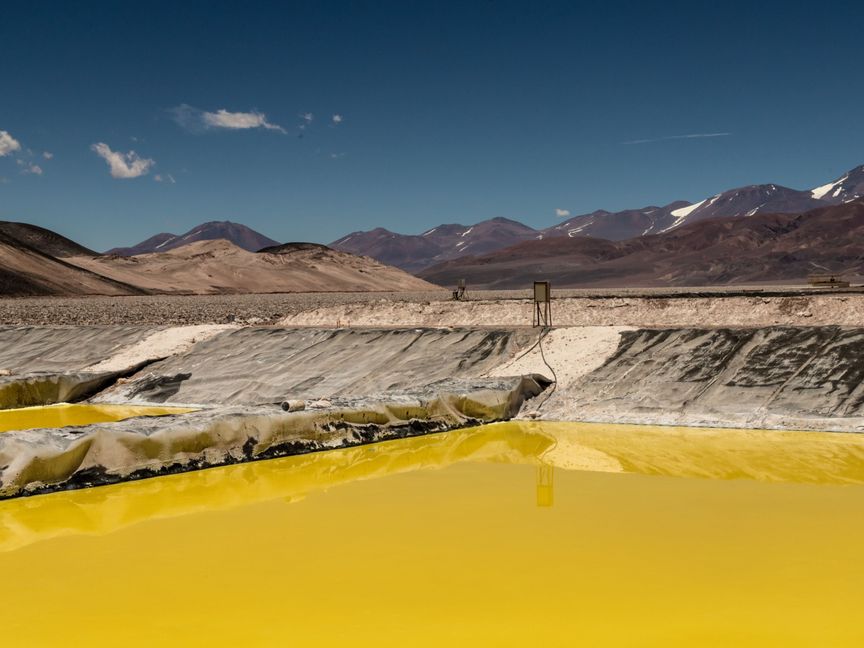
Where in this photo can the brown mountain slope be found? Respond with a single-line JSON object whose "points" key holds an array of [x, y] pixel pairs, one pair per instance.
{"points": [[758, 248], [25, 271], [214, 267], [44, 240]]}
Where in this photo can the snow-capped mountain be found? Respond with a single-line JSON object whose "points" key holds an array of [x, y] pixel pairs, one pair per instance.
{"points": [[238, 234], [445, 242], [746, 201], [842, 190], [617, 226], [766, 248], [631, 223]]}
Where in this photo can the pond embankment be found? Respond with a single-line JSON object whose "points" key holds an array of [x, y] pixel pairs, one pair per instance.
{"points": [[352, 385]]}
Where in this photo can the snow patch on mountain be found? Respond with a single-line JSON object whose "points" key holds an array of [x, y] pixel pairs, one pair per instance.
{"points": [[681, 215], [820, 192], [684, 212]]}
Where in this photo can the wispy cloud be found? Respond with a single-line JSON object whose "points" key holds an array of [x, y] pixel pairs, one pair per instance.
{"points": [[562, 213], [123, 165], [8, 144], [165, 177], [306, 121], [196, 120], [28, 167], [677, 137], [337, 119], [337, 156], [48, 155]]}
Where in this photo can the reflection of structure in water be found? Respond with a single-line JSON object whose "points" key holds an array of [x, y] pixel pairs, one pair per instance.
{"points": [[545, 490]]}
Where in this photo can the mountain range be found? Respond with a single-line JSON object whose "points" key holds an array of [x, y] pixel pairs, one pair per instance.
{"points": [[762, 248], [37, 261], [413, 253], [446, 242], [758, 233]]}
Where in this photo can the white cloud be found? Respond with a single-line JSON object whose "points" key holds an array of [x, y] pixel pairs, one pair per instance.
{"points": [[167, 177], [337, 119], [48, 155], [238, 120], [123, 165], [196, 120], [337, 156], [8, 144], [562, 213], [677, 137]]}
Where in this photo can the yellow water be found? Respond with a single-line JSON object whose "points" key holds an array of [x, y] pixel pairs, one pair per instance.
{"points": [[66, 414], [507, 535]]}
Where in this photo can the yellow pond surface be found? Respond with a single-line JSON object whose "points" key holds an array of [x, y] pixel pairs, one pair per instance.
{"points": [[516, 534], [66, 414]]}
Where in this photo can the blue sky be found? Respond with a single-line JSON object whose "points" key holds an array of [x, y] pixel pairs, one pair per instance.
{"points": [[448, 112]]}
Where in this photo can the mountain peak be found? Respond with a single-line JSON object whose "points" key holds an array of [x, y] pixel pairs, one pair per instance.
{"points": [[238, 234]]}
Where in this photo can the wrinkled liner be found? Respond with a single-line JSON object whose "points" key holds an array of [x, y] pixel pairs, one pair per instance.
{"points": [[34, 461], [49, 388]]}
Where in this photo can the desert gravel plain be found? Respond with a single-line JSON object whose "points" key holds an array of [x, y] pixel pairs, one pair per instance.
{"points": [[621, 307]]}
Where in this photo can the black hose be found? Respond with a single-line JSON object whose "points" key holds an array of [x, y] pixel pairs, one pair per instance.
{"points": [[539, 344]]}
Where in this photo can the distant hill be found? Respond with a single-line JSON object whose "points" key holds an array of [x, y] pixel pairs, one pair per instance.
{"points": [[220, 267], [288, 248], [152, 244], [744, 249], [240, 235]]}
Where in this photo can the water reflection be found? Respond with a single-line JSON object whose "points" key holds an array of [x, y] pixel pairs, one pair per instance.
{"points": [[66, 414], [545, 485], [815, 458]]}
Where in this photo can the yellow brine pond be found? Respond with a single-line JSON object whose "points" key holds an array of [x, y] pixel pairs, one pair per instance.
{"points": [[514, 534], [68, 414]]}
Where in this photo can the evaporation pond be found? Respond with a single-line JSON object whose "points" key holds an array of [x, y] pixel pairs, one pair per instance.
{"points": [[66, 414], [507, 535]]}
